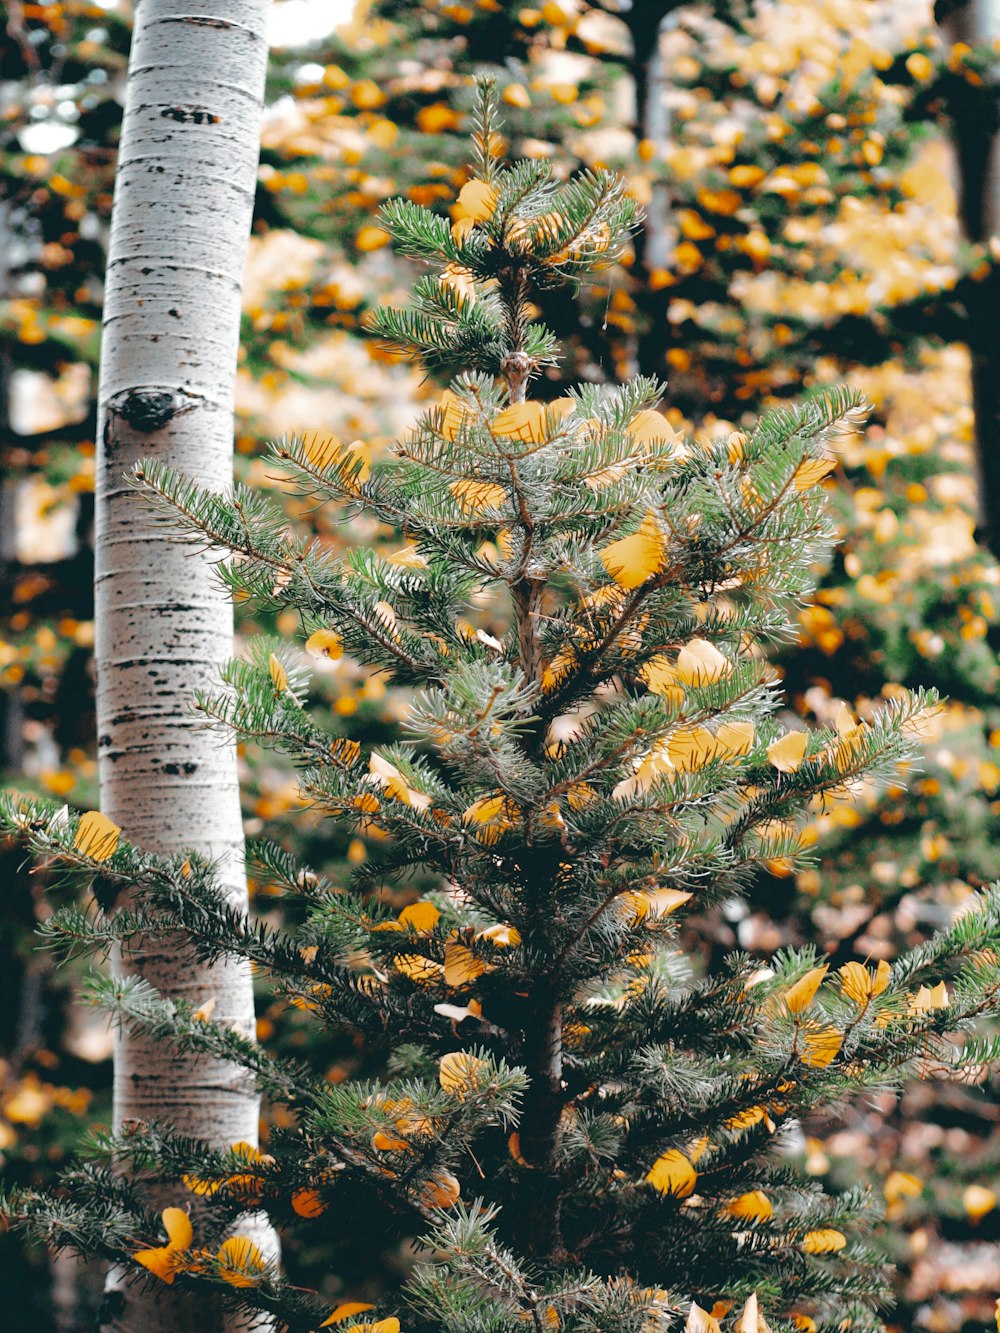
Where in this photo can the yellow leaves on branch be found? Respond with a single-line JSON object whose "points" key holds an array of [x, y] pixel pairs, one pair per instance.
{"points": [[820, 1045], [826, 1240], [490, 817], [96, 836], [672, 1173], [630, 561], [700, 663], [325, 643], [811, 471], [799, 997], [238, 1260], [345, 1311], [278, 674], [394, 784], [166, 1261], [459, 1073], [476, 202], [750, 1320], [753, 1206], [476, 497], [325, 451], [860, 984], [788, 751]]}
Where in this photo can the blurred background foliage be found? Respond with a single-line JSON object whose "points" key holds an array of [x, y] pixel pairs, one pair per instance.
{"points": [[809, 219]]}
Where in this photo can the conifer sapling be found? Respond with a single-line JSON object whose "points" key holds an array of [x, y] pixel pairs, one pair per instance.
{"points": [[589, 1131]]}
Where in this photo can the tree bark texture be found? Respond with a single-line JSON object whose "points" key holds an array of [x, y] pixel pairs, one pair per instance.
{"points": [[977, 150], [184, 196]]}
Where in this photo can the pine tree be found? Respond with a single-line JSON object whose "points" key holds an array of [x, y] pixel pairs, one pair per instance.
{"points": [[585, 1132]]}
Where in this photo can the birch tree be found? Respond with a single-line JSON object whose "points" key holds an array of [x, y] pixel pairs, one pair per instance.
{"points": [[183, 201]]}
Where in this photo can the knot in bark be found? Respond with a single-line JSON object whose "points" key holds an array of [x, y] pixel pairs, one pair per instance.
{"points": [[150, 408]]}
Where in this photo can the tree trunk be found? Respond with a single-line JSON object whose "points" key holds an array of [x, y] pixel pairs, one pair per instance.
{"points": [[183, 200], [977, 149]]}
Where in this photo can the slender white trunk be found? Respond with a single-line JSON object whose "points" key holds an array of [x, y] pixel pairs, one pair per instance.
{"points": [[184, 194], [977, 150]]}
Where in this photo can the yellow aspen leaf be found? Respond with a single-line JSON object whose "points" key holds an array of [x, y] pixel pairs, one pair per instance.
{"points": [[799, 997], [697, 1149], [407, 557], [788, 751], [204, 1011], [515, 94], [691, 748], [421, 971], [861, 985], [656, 902], [320, 448], [441, 1190], [514, 1148], [700, 1321], [460, 280], [649, 427], [454, 415], [521, 421], [672, 1173], [420, 916], [277, 673], [325, 643], [753, 1115], [389, 1143], [476, 201], [177, 1225], [241, 1263], [811, 471], [820, 1046], [485, 810], [458, 1072], [826, 1240], [753, 1206], [632, 560], [751, 1320], [804, 1324], [371, 238], [503, 936], [929, 998], [977, 1201], [660, 677], [700, 663], [308, 1203], [475, 497], [163, 1262], [461, 966], [96, 836], [345, 1311], [735, 738], [902, 1185]]}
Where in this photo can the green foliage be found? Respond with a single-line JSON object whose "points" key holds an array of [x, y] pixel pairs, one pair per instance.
{"points": [[586, 1129]]}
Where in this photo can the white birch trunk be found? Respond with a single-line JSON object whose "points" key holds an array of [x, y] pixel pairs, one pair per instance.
{"points": [[183, 201]]}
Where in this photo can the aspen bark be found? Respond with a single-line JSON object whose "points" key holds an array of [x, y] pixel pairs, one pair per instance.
{"points": [[184, 194], [977, 150]]}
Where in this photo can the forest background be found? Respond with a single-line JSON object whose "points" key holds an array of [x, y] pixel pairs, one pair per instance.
{"points": [[821, 204]]}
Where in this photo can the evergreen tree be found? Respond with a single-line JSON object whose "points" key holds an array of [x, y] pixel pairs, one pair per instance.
{"points": [[587, 1133]]}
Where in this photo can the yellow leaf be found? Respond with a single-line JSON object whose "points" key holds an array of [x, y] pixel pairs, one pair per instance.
{"points": [[454, 415], [700, 663], [632, 560], [503, 936], [660, 677], [820, 1046], [691, 748], [308, 1203], [811, 471], [345, 1311], [824, 1241], [96, 836], [861, 985], [407, 557], [673, 1174], [389, 1143], [521, 421], [700, 1321], [420, 916], [657, 902], [325, 643], [421, 971], [751, 1320], [902, 1185], [458, 1072], [476, 201], [441, 1191], [321, 449], [800, 996], [977, 1201], [241, 1263], [649, 427], [788, 751], [204, 1012], [734, 738], [277, 673], [163, 1262], [754, 1206], [461, 965], [515, 94], [475, 497]]}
